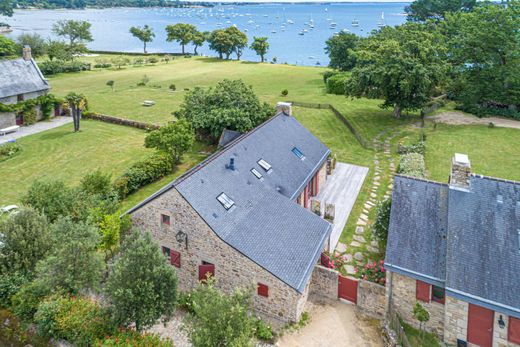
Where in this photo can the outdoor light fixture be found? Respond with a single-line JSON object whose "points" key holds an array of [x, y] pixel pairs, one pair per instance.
{"points": [[182, 237], [501, 322]]}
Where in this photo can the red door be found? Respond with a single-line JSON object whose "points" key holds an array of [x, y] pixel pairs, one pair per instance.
{"points": [[347, 289], [480, 326], [19, 119], [205, 270]]}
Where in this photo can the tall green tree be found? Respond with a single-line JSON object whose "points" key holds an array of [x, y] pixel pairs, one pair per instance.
{"points": [[6, 8], [58, 50], [77, 104], [422, 10], [173, 139], [260, 45], [402, 65], [198, 40], [238, 39], [7, 47], [220, 41], [181, 32], [35, 41], [77, 32], [144, 34], [340, 49], [142, 286]]}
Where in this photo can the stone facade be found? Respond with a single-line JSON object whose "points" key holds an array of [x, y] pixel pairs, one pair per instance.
{"points": [[324, 283], [232, 269], [8, 119], [371, 298], [456, 320], [460, 171]]}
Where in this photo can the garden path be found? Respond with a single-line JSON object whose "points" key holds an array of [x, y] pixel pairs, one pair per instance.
{"points": [[54, 122]]}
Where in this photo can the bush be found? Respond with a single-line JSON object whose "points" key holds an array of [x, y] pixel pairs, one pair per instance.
{"points": [[59, 66], [138, 61], [10, 284], [172, 87], [96, 182], [382, 223], [29, 116], [373, 272], [412, 164], [264, 331], [143, 173], [153, 60], [24, 303], [14, 333], [285, 92], [328, 74], [336, 84], [78, 320], [102, 65], [144, 81], [132, 338], [8, 150], [418, 147]]}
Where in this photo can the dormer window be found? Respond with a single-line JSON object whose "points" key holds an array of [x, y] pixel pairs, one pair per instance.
{"points": [[298, 153], [225, 201], [264, 165], [256, 173]]}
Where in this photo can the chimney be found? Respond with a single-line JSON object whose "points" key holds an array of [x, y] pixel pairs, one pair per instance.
{"points": [[284, 107], [460, 171], [26, 53], [231, 165]]}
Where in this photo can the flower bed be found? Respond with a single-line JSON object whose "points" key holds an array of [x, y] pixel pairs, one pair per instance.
{"points": [[373, 272]]}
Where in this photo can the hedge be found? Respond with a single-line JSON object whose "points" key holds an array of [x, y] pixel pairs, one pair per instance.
{"points": [[412, 164], [336, 84], [52, 67], [418, 147]]}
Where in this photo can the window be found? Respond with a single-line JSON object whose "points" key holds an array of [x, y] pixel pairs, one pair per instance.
{"points": [[263, 290], [175, 258], [298, 153], [438, 294], [165, 219], [225, 201], [422, 291], [264, 165], [513, 333], [206, 270], [166, 251], [256, 173], [20, 97]]}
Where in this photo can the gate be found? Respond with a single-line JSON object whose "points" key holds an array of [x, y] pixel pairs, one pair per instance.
{"points": [[347, 289]]}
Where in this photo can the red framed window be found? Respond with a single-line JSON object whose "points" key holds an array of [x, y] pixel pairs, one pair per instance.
{"points": [[175, 258], [438, 294], [263, 290], [166, 251], [422, 291], [205, 270], [513, 331], [165, 219]]}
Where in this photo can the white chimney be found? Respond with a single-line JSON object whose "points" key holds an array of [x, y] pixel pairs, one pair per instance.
{"points": [[284, 107], [26, 52], [460, 171]]}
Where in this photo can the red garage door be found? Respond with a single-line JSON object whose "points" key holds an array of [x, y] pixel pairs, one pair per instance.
{"points": [[480, 326]]}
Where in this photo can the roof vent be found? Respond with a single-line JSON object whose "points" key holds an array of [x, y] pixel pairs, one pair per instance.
{"points": [[231, 165]]}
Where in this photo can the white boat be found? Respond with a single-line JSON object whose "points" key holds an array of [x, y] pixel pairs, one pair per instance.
{"points": [[290, 21], [273, 31], [301, 33], [381, 22], [355, 23]]}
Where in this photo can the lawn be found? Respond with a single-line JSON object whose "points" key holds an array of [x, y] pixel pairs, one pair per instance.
{"points": [[417, 339]]}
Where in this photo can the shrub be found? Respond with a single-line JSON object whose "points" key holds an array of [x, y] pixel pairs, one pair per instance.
{"points": [[185, 300], [373, 272], [332, 261], [24, 303], [10, 284], [127, 338], [328, 74], [14, 333], [418, 147], [172, 87], [29, 116], [153, 60], [60, 66], [285, 92], [138, 61], [78, 320], [96, 182], [412, 164], [382, 223], [264, 331], [102, 66], [336, 84], [144, 81], [9, 150]]}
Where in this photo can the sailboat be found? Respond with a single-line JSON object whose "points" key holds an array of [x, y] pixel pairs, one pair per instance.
{"points": [[355, 23], [381, 22]]}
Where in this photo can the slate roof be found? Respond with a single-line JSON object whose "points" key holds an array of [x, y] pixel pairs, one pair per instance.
{"points": [[265, 224], [20, 76], [480, 259], [227, 136]]}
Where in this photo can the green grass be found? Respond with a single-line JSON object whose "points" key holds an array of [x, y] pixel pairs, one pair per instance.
{"points": [[416, 340]]}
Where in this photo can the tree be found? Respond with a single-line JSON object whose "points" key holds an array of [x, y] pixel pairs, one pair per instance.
{"points": [[219, 319], [173, 139], [7, 46], [58, 50], [6, 8], [144, 34], [260, 46], [220, 42], [229, 105], [52, 198], [238, 39], [422, 10], [111, 84], [110, 231], [181, 33], [142, 286], [198, 40], [422, 315], [77, 104], [25, 239], [340, 50], [74, 263], [382, 223], [76, 31], [35, 41], [96, 183], [402, 65]]}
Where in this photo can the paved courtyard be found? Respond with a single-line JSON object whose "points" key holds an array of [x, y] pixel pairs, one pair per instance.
{"points": [[36, 128]]}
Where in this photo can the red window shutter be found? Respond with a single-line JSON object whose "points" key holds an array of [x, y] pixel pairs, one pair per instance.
{"points": [[513, 333], [206, 269], [263, 290], [175, 258], [317, 182], [306, 196], [422, 291]]}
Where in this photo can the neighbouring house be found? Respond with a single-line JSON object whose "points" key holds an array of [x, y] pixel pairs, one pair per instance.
{"points": [[455, 248], [20, 80], [243, 216]]}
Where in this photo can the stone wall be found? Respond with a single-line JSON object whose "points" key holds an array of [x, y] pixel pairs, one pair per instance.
{"points": [[232, 269], [500, 334], [120, 121], [324, 283], [371, 298], [7, 119], [404, 299]]}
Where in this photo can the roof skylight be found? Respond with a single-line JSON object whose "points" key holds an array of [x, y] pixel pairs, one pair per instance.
{"points": [[298, 153], [256, 173], [225, 201], [265, 165]]}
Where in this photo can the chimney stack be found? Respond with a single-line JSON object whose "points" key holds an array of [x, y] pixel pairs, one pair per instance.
{"points": [[231, 165], [460, 171], [284, 107], [26, 53]]}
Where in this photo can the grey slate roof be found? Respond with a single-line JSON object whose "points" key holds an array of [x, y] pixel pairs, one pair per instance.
{"points": [[480, 258], [20, 76], [227, 136], [265, 224]]}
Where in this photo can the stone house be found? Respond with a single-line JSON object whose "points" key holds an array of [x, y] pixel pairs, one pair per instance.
{"points": [[242, 216], [20, 80], [455, 248]]}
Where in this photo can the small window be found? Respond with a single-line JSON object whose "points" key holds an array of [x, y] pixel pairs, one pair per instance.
{"points": [[256, 173], [20, 97], [438, 294], [264, 165], [225, 201], [166, 252], [263, 290], [298, 153], [165, 219]]}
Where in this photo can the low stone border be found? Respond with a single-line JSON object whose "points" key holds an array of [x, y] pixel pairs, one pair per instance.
{"points": [[120, 121]]}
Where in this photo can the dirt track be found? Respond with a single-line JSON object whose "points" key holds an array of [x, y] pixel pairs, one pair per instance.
{"points": [[460, 118]]}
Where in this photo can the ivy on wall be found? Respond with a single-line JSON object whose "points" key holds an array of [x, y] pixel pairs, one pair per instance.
{"points": [[46, 103]]}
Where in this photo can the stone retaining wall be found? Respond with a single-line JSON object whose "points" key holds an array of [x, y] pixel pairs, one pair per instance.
{"points": [[324, 283], [371, 298], [120, 121]]}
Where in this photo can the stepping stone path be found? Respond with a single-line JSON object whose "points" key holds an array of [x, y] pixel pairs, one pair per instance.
{"points": [[360, 230], [349, 269], [355, 244], [359, 238], [341, 247], [358, 256]]}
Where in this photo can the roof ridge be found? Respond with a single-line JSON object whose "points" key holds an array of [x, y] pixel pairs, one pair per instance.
{"points": [[421, 179], [494, 178]]}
